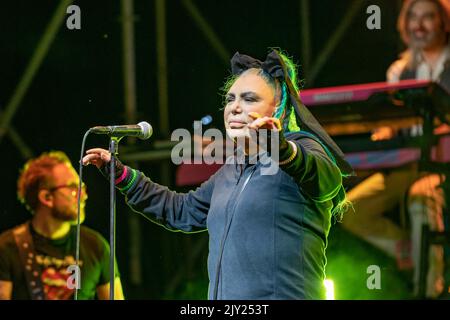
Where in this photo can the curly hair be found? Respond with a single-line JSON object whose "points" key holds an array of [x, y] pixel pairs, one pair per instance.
{"points": [[36, 174]]}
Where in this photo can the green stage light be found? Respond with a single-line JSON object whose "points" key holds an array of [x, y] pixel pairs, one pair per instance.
{"points": [[329, 289]]}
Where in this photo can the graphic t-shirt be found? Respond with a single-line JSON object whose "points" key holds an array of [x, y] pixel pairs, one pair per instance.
{"points": [[53, 258]]}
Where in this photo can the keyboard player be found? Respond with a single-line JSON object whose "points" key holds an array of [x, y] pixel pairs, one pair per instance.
{"points": [[424, 26]]}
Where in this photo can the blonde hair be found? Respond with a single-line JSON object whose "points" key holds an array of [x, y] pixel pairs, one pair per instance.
{"points": [[443, 9]]}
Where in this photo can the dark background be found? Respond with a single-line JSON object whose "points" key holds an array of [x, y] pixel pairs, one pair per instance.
{"points": [[80, 85]]}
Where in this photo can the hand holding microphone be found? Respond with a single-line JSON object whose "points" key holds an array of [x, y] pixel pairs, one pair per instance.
{"points": [[143, 130], [97, 156], [100, 157]]}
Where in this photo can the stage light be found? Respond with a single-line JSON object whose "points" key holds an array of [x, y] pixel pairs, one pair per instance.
{"points": [[329, 289]]}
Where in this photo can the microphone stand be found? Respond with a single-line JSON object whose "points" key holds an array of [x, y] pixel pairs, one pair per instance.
{"points": [[113, 149]]}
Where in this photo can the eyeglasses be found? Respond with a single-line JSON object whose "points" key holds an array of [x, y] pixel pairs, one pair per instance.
{"points": [[73, 187]]}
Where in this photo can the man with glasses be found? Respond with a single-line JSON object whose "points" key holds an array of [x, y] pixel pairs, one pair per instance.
{"points": [[37, 259]]}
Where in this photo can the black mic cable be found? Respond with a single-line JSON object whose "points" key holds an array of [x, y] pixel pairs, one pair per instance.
{"points": [[77, 252]]}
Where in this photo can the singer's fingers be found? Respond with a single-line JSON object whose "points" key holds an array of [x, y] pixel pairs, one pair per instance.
{"points": [[91, 158], [272, 123], [258, 122], [266, 123], [97, 154], [97, 150], [277, 123], [97, 158], [254, 115]]}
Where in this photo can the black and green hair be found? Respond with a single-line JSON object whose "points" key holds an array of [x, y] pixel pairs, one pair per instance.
{"points": [[280, 72]]}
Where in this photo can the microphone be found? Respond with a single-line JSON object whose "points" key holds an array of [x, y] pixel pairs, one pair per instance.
{"points": [[143, 130]]}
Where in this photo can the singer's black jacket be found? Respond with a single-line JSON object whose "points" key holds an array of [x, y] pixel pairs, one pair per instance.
{"points": [[270, 240]]}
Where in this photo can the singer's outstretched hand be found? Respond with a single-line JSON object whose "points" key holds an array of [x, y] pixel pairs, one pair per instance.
{"points": [[97, 157]]}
